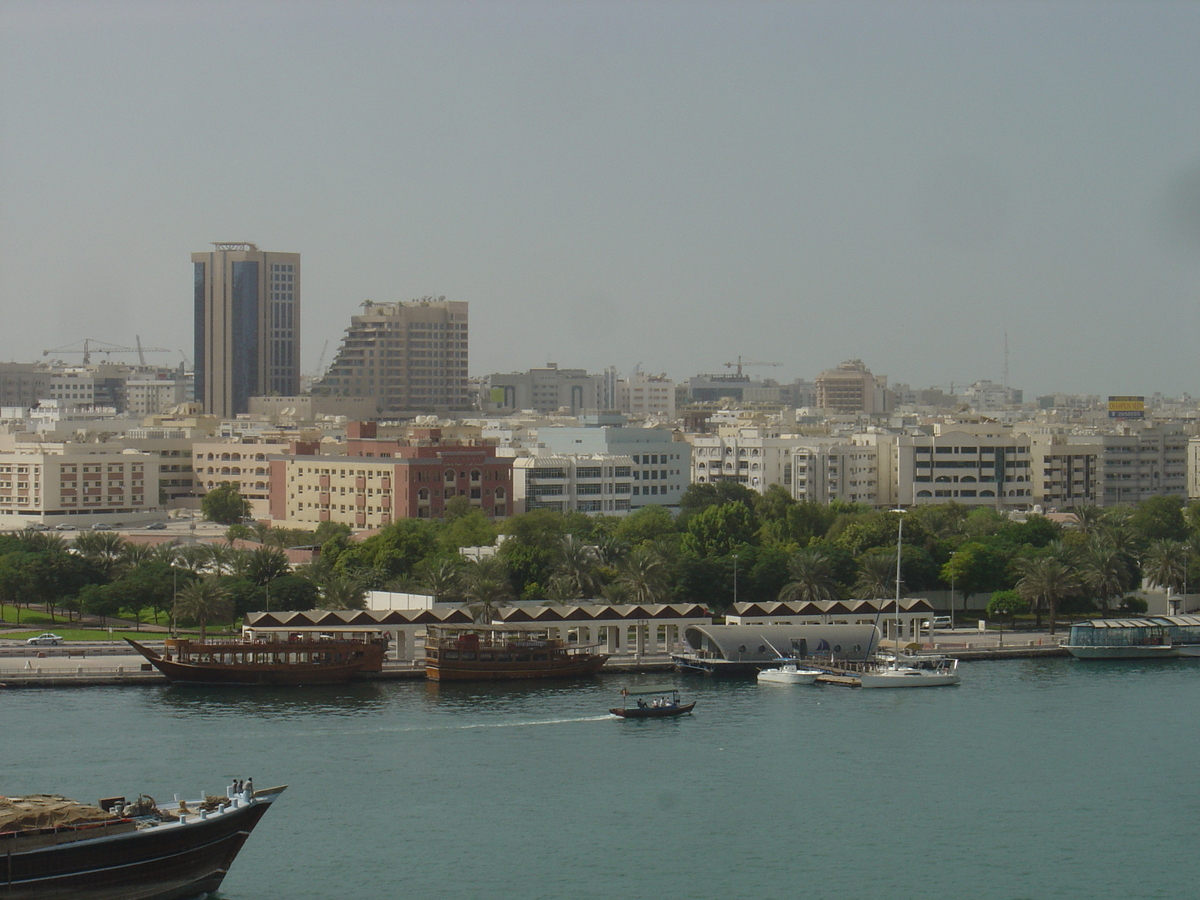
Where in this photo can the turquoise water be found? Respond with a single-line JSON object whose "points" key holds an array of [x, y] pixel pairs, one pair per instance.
{"points": [[1035, 779]]}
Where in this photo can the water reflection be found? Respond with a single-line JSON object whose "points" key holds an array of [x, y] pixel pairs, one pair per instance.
{"points": [[217, 701]]}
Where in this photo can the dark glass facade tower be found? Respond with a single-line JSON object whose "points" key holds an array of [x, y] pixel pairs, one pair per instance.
{"points": [[247, 326]]}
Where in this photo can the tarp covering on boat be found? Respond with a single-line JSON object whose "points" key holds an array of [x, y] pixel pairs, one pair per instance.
{"points": [[47, 811]]}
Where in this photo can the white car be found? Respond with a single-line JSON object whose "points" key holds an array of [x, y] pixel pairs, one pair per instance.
{"points": [[47, 638]]}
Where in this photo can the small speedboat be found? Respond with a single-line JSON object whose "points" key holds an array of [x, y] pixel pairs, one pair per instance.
{"points": [[653, 702], [789, 673]]}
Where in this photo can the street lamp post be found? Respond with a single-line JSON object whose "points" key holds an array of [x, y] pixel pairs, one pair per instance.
{"points": [[735, 579]]}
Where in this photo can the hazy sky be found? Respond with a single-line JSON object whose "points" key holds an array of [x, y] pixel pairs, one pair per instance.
{"points": [[611, 183]]}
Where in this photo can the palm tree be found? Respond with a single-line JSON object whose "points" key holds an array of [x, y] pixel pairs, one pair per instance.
{"points": [[610, 550], [876, 576], [577, 569], [443, 580], [1090, 518], [812, 577], [343, 591], [194, 558], [104, 549], [264, 564], [40, 541], [135, 555], [222, 558], [1104, 571], [1045, 580], [486, 587], [1165, 564], [643, 577], [202, 601]]}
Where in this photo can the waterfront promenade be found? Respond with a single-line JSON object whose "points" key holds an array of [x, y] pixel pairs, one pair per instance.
{"points": [[95, 663]]}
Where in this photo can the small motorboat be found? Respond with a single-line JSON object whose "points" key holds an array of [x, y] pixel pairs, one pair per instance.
{"points": [[788, 673], [659, 701]]}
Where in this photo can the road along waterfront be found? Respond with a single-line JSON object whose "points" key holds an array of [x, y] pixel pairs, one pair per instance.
{"points": [[1034, 778]]}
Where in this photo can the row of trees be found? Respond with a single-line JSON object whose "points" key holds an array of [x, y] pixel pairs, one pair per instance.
{"points": [[726, 543]]}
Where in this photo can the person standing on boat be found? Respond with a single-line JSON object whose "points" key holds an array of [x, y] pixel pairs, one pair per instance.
{"points": [[249, 786]]}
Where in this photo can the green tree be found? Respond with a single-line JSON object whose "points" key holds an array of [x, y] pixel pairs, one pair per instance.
{"points": [[719, 530], [531, 550], [150, 586], [976, 568], [701, 495], [391, 553], [291, 592], [224, 504], [1006, 605], [99, 600], [645, 526], [471, 528], [1035, 531], [1159, 519], [203, 601]]}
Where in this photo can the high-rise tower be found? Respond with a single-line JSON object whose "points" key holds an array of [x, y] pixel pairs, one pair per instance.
{"points": [[407, 356], [247, 315]]}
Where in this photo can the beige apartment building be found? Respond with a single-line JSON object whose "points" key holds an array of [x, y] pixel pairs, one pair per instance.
{"points": [[244, 463], [852, 389], [403, 357], [1066, 472], [642, 395], [75, 484], [975, 465], [823, 471]]}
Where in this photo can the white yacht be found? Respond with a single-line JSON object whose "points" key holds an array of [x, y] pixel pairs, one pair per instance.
{"points": [[788, 673]]}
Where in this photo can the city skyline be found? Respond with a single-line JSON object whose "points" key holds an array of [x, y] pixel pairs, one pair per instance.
{"points": [[621, 183]]}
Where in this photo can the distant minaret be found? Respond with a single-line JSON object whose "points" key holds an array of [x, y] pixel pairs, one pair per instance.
{"points": [[1006, 362]]}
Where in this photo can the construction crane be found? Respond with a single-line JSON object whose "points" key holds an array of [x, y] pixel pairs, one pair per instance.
{"points": [[91, 345], [320, 369], [748, 362]]}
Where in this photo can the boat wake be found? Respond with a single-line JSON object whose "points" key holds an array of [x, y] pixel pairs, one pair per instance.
{"points": [[402, 729]]}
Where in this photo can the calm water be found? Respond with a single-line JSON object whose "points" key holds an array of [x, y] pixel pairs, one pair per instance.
{"points": [[1032, 779]]}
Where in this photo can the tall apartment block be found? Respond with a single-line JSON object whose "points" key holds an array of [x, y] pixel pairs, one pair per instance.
{"points": [[247, 326], [406, 356]]}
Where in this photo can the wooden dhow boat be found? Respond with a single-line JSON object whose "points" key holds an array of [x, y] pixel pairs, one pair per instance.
{"points": [[501, 653], [291, 662], [53, 848]]}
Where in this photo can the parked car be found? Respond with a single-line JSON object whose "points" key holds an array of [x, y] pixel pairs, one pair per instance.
{"points": [[156, 526], [940, 622], [46, 638], [37, 526], [64, 527], [101, 526]]}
